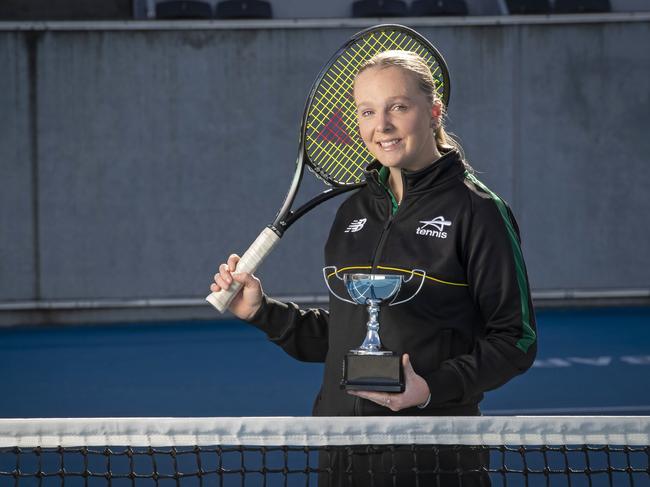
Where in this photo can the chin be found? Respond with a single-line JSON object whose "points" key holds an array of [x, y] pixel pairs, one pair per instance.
{"points": [[393, 163]]}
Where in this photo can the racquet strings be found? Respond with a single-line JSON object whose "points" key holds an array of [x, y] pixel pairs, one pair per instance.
{"points": [[332, 142]]}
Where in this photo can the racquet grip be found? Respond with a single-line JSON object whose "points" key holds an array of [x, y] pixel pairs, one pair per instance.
{"points": [[249, 262]]}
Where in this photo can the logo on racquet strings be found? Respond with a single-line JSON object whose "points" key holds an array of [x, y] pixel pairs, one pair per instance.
{"points": [[335, 130], [438, 223], [356, 225]]}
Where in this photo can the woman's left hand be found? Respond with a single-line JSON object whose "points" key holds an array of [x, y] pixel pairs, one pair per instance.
{"points": [[416, 391]]}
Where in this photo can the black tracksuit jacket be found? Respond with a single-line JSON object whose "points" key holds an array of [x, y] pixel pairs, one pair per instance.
{"points": [[470, 329]]}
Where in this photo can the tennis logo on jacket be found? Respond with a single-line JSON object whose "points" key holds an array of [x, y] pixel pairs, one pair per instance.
{"points": [[433, 228], [356, 225]]}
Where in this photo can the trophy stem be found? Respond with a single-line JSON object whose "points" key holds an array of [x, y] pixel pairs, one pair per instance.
{"points": [[372, 342]]}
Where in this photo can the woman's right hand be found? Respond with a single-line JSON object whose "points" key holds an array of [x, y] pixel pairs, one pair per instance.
{"points": [[249, 299]]}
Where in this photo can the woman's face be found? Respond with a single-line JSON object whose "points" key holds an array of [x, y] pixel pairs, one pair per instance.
{"points": [[395, 118]]}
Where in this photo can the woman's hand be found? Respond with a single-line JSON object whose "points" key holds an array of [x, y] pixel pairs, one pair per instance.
{"points": [[416, 391], [249, 299]]}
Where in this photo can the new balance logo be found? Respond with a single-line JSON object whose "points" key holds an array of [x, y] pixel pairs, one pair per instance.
{"points": [[356, 225], [434, 228]]}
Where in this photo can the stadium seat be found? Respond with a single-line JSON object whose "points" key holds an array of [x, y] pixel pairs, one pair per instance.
{"points": [[379, 8], [183, 9], [244, 9], [516, 7], [20, 10], [434, 8], [581, 6]]}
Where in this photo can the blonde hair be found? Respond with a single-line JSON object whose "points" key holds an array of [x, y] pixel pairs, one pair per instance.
{"points": [[418, 67]]}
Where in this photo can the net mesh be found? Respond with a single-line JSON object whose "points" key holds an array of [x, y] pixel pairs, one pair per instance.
{"points": [[332, 139], [326, 451]]}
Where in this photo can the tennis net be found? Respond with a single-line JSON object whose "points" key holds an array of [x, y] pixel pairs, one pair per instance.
{"points": [[369, 451]]}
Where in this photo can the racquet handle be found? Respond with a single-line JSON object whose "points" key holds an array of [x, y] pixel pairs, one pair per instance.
{"points": [[249, 262]]}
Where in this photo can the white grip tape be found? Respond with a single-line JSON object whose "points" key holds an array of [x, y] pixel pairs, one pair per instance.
{"points": [[250, 261]]}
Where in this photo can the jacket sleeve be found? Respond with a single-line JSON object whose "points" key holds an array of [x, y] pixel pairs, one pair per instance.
{"points": [[303, 334], [507, 343]]}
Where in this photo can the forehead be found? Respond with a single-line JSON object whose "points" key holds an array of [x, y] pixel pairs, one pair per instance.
{"points": [[389, 81]]}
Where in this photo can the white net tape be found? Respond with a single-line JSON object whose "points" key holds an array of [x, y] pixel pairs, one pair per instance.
{"points": [[273, 431]]}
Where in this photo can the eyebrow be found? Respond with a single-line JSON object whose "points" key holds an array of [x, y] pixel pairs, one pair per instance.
{"points": [[399, 97], [389, 100]]}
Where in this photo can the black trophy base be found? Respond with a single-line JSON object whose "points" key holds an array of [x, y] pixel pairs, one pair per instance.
{"points": [[373, 372]]}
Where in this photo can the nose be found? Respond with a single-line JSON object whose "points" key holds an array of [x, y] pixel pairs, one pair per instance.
{"points": [[384, 123]]}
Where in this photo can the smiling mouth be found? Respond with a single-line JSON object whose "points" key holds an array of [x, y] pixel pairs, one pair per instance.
{"points": [[389, 144]]}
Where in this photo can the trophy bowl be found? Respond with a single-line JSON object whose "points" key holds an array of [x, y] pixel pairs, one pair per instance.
{"points": [[365, 287]]}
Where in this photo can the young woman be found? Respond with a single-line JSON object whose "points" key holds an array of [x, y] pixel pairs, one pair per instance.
{"points": [[471, 328]]}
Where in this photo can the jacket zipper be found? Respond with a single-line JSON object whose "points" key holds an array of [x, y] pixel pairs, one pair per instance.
{"points": [[389, 222], [382, 241]]}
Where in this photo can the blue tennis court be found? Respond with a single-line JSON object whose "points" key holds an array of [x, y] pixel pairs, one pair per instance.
{"points": [[590, 361]]}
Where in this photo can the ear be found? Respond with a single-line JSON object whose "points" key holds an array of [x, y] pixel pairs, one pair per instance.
{"points": [[436, 109]]}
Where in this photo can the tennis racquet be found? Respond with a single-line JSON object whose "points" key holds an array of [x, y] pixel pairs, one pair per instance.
{"points": [[330, 145]]}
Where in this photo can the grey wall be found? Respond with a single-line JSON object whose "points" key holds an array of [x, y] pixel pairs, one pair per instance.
{"points": [[133, 162]]}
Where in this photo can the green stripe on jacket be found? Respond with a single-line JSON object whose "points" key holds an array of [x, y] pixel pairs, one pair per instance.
{"points": [[528, 335]]}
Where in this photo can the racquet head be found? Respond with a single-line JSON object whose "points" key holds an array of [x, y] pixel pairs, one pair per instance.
{"points": [[330, 135]]}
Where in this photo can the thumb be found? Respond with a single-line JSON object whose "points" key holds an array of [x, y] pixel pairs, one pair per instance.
{"points": [[243, 278], [406, 364]]}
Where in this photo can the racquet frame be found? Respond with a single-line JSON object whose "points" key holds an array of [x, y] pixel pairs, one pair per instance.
{"points": [[285, 217]]}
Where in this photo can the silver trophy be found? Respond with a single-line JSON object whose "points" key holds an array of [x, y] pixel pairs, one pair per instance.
{"points": [[370, 367]]}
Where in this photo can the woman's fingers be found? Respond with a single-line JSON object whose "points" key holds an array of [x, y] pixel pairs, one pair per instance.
{"points": [[223, 279], [233, 259], [389, 400], [224, 273]]}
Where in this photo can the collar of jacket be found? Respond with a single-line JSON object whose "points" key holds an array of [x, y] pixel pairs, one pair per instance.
{"points": [[448, 167]]}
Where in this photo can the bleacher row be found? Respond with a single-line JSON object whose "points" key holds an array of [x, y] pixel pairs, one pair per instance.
{"points": [[261, 9]]}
